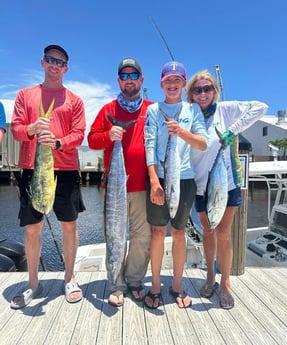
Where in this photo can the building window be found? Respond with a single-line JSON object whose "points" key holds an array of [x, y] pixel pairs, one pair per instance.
{"points": [[265, 131]]}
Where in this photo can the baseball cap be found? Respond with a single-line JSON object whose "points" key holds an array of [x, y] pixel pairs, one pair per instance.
{"points": [[173, 68], [130, 62], [56, 47]]}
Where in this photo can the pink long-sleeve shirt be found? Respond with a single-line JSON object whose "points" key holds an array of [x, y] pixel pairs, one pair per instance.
{"points": [[67, 122]]}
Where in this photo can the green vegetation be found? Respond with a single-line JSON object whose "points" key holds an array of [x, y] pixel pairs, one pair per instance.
{"points": [[281, 144]]}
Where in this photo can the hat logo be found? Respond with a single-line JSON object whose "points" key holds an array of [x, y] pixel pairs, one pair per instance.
{"points": [[173, 66]]}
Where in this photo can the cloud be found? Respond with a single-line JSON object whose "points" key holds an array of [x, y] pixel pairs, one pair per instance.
{"points": [[94, 96]]}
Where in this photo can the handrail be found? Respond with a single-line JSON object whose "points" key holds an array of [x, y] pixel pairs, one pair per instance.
{"points": [[281, 187]]}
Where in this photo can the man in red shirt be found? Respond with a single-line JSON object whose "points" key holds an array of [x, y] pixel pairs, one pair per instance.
{"points": [[128, 106], [61, 132]]}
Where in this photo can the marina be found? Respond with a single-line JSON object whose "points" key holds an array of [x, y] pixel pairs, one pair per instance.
{"points": [[260, 292]]}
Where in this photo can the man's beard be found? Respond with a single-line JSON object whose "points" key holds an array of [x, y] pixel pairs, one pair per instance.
{"points": [[130, 93]]}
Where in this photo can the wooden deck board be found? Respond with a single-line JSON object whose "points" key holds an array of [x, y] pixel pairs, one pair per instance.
{"points": [[259, 315]]}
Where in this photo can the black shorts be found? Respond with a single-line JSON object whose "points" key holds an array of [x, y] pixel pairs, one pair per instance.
{"points": [[159, 215], [68, 198]]}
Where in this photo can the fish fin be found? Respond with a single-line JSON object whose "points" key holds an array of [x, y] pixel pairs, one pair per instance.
{"points": [[123, 124], [167, 118], [218, 132]]}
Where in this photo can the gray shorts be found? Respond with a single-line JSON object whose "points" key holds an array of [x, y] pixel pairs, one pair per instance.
{"points": [[68, 198], [159, 215]]}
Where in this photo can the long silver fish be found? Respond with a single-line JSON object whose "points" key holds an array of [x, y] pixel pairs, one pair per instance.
{"points": [[172, 171], [43, 184], [217, 191], [115, 209]]}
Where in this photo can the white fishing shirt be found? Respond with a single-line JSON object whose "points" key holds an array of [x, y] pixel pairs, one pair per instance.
{"points": [[156, 135], [235, 116]]}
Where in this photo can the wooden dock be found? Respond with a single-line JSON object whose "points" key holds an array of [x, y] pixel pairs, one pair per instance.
{"points": [[259, 316]]}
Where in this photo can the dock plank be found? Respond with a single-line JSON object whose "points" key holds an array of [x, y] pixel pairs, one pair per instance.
{"points": [[259, 315], [89, 318], [257, 302]]}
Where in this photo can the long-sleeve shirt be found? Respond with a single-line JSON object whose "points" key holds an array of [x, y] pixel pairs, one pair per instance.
{"points": [[235, 116], [67, 123], [132, 142], [2, 117], [156, 135]]}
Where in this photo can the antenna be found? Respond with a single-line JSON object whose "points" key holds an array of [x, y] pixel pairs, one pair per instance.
{"points": [[163, 39], [145, 93], [219, 81]]}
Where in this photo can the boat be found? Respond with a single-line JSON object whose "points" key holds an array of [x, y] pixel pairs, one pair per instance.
{"points": [[269, 245], [12, 256], [266, 246]]}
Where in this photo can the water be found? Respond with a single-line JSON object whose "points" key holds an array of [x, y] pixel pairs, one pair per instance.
{"points": [[90, 221]]}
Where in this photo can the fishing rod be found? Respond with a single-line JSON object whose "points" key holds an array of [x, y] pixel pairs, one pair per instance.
{"points": [[16, 185], [163, 39], [55, 241]]}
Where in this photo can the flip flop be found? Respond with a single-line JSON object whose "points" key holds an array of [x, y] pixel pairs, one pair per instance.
{"points": [[182, 295], [226, 300], [154, 297], [208, 290], [70, 288], [116, 294], [137, 289], [26, 295]]}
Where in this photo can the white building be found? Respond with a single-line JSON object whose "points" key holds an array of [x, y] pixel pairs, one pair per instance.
{"points": [[267, 129]]}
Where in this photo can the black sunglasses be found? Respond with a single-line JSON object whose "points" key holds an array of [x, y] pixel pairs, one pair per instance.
{"points": [[53, 61], [132, 76], [200, 89]]}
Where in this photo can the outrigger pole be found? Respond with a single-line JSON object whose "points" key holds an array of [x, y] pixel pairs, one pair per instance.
{"points": [[163, 39]]}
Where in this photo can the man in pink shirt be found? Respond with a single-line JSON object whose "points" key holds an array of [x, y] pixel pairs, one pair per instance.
{"points": [[63, 131]]}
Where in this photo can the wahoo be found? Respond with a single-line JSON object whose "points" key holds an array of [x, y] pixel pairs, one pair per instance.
{"points": [[115, 208], [217, 191], [172, 170], [43, 184]]}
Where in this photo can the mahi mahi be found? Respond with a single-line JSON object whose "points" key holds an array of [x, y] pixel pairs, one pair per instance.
{"points": [[43, 184], [172, 170], [217, 191], [115, 209]]}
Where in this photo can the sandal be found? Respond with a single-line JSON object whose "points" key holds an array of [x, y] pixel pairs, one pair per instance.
{"points": [[155, 297], [226, 300], [117, 294], [71, 287], [136, 289], [25, 297], [182, 295], [208, 290]]}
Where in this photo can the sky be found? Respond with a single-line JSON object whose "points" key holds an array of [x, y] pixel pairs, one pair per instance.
{"points": [[247, 39]]}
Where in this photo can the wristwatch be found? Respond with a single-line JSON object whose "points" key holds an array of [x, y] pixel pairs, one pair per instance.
{"points": [[57, 144]]}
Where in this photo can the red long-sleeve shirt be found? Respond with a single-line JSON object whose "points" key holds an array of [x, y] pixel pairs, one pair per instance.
{"points": [[67, 122], [132, 142]]}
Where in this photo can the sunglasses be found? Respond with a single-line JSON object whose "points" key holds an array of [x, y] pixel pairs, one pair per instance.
{"points": [[198, 89], [53, 61], [132, 76]]}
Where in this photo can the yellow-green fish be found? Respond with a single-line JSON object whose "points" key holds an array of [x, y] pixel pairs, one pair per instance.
{"points": [[43, 184]]}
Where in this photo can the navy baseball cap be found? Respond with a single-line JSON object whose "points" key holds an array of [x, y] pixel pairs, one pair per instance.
{"points": [[173, 68], [58, 48]]}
